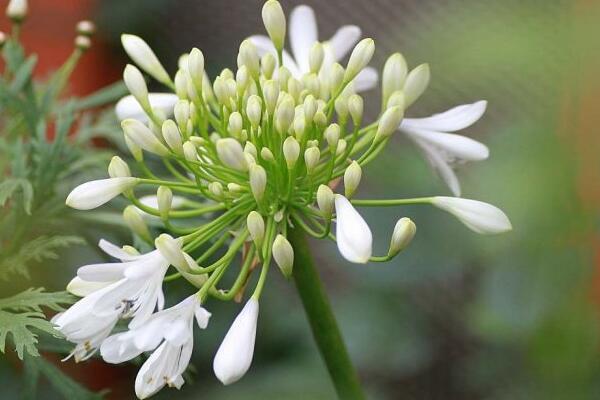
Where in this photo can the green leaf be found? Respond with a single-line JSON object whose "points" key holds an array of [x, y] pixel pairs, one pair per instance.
{"points": [[36, 250], [67, 387], [33, 300], [20, 313], [10, 187], [23, 75], [103, 96]]}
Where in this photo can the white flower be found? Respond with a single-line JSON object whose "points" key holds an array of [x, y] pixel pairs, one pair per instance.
{"points": [[16, 9], [128, 289], [303, 34], [443, 150], [93, 194], [354, 238], [174, 328], [162, 103], [479, 216], [144, 57], [235, 353]]}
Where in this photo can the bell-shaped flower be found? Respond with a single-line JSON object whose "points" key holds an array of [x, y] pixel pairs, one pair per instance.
{"points": [[162, 103], [93, 194], [303, 35], [444, 150], [235, 353], [353, 235], [169, 333], [480, 217], [132, 289]]}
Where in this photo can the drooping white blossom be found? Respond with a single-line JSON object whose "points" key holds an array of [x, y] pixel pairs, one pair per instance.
{"points": [[354, 238], [479, 216], [303, 34], [444, 150], [235, 353], [169, 333]]}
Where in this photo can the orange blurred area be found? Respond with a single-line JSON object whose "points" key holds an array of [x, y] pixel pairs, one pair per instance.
{"points": [[49, 31]]}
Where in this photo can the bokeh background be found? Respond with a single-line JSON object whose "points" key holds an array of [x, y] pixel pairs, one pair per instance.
{"points": [[457, 316]]}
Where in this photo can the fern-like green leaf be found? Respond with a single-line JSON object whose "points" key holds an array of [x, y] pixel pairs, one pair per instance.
{"points": [[21, 313], [36, 250], [10, 188]]}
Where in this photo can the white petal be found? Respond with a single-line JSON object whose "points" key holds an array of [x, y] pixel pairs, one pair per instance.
{"points": [[115, 251], [479, 216], [93, 194], [264, 46], [354, 238], [107, 272], [119, 348], [457, 146], [128, 106], [344, 40], [237, 349], [440, 165], [202, 316], [150, 378], [365, 80], [82, 288], [303, 34], [453, 120]]}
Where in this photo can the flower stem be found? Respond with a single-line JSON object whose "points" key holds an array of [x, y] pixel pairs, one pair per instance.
{"points": [[322, 321]]}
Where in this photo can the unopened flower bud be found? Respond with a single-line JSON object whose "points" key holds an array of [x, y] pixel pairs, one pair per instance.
{"points": [[394, 76], [196, 67], [284, 115], [299, 125], [396, 100], [117, 168], [311, 158], [283, 253], [248, 56], [141, 135], [164, 197], [355, 108], [325, 200], [341, 108], [310, 108], [266, 154], [258, 181], [274, 20], [294, 87], [235, 124], [181, 86], [172, 136], [135, 222], [134, 149], [315, 57], [17, 10], [416, 83], [256, 227], [85, 28], [242, 79], [250, 148], [291, 151], [231, 154], [332, 135], [144, 57], [283, 77], [189, 151], [311, 84], [267, 65], [254, 110], [360, 57], [271, 94], [341, 147], [216, 189], [404, 231], [234, 188], [389, 122], [83, 42], [336, 77], [320, 119], [134, 80], [352, 179]]}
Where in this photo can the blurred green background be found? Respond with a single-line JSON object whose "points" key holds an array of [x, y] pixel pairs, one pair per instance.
{"points": [[457, 316]]}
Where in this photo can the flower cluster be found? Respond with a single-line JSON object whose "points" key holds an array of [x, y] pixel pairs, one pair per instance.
{"points": [[259, 151]]}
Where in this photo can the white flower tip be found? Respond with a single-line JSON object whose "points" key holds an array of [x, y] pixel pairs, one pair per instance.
{"points": [[478, 216], [354, 237]]}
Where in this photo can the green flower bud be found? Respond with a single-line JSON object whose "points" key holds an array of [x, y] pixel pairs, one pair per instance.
{"points": [[315, 57], [396, 100], [284, 115], [355, 108], [172, 136], [117, 168], [231, 154], [196, 67], [258, 181], [144, 57], [134, 80], [134, 149], [274, 20], [332, 135], [291, 151], [216, 189], [189, 151], [181, 85], [310, 108], [283, 253], [248, 56], [352, 178], [142, 136], [311, 158], [389, 122], [325, 200], [271, 94], [360, 57], [268, 64], [135, 222], [394, 76], [299, 124], [235, 124], [404, 231], [336, 77], [250, 148], [266, 154], [416, 83], [181, 111], [164, 197], [256, 227], [254, 110]]}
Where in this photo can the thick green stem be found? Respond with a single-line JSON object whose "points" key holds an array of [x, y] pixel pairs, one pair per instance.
{"points": [[322, 321]]}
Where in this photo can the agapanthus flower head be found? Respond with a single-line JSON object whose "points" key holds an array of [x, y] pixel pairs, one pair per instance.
{"points": [[250, 155]]}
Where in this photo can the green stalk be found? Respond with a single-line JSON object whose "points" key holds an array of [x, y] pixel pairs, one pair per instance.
{"points": [[322, 321]]}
